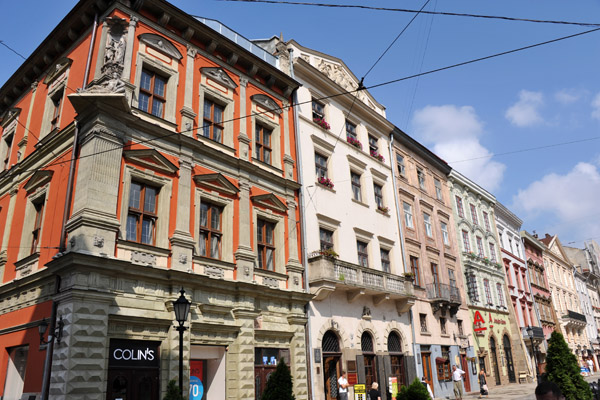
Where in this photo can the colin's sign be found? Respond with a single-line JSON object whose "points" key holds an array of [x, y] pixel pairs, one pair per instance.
{"points": [[133, 353]]}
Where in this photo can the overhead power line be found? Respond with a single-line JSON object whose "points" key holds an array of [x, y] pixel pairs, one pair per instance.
{"points": [[406, 10]]}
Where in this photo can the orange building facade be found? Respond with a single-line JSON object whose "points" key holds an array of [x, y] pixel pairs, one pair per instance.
{"points": [[144, 150]]}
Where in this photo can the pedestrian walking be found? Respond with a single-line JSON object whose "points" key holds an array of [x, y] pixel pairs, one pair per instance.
{"points": [[457, 377], [343, 387], [590, 364], [374, 393], [483, 387]]}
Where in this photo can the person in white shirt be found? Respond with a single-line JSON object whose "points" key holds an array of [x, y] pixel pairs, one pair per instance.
{"points": [[457, 374], [343, 387], [590, 364]]}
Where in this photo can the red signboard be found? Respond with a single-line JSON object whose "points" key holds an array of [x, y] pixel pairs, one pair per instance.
{"points": [[352, 378]]}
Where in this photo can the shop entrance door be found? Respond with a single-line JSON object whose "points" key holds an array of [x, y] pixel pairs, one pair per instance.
{"points": [[426, 360], [331, 368], [509, 360], [465, 367], [132, 384], [495, 360]]}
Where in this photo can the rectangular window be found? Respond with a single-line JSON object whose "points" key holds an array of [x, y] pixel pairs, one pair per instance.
{"points": [[479, 246], [262, 143], [423, 321], [56, 108], [414, 268], [459, 207], [350, 130], [438, 189], [473, 291], [15, 372], [466, 244], [326, 237], [493, 252], [378, 190], [443, 326], [153, 88], [266, 244], [38, 206], [435, 277], [421, 178], [500, 294], [486, 221], [385, 260], [488, 292], [7, 147], [210, 230], [459, 323], [363, 254], [318, 110], [445, 235], [408, 217], [452, 281], [213, 121], [320, 166], [427, 221], [400, 163], [373, 147], [142, 216], [355, 180], [474, 214]]}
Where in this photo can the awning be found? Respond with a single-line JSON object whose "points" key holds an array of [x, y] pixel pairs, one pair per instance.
{"points": [[441, 360]]}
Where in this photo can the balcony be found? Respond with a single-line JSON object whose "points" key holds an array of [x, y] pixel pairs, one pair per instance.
{"points": [[574, 319], [328, 274], [537, 333], [444, 297]]}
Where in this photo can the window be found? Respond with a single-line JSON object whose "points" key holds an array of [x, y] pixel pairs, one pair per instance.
{"points": [[355, 180], [385, 260], [472, 287], [479, 246], [363, 254], [427, 221], [56, 108], [142, 216], [488, 292], [15, 372], [7, 147], [373, 147], [366, 346], [500, 294], [320, 166], [421, 178], [445, 236], [466, 244], [210, 230], [474, 214], [452, 282], [423, 321], [266, 244], [152, 93], [436, 278], [438, 189], [401, 167], [350, 130], [459, 323], [265, 363], [459, 207], [326, 238], [414, 268], [262, 143], [318, 110], [486, 221], [38, 206], [378, 195], [213, 121], [408, 218], [493, 252], [443, 326]]}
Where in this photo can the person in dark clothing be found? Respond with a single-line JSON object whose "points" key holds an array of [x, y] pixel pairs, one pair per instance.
{"points": [[374, 393], [548, 391], [483, 388]]}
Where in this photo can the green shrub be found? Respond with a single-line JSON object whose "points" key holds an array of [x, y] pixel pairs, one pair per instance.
{"points": [[172, 391], [279, 385], [562, 368], [416, 391]]}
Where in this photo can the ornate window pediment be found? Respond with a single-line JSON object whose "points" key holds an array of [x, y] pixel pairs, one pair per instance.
{"points": [[216, 181], [9, 117], [152, 159], [37, 180], [61, 66], [267, 103], [271, 201], [161, 44], [219, 75]]}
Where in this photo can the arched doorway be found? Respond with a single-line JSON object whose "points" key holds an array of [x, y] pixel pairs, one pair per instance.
{"points": [[509, 360], [331, 364], [396, 366], [494, 360], [366, 361]]}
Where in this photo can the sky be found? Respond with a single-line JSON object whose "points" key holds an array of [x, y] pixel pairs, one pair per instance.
{"points": [[524, 125]]}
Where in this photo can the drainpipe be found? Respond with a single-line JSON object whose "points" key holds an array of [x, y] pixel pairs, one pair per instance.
{"points": [[307, 328], [89, 57], [50, 345]]}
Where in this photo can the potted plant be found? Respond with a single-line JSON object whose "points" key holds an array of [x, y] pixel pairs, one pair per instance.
{"points": [[409, 276], [325, 182], [322, 123], [354, 142], [329, 253], [376, 155], [383, 209]]}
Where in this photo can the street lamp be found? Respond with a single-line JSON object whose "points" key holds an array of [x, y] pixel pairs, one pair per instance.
{"points": [[537, 372], [182, 309]]}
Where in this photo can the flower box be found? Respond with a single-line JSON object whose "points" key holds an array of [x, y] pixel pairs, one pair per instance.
{"points": [[384, 210], [325, 182], [354, 142], [329, 253], [322, 123], [376, 155]]}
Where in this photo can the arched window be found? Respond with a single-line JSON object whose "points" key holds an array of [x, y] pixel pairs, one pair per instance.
{"points": [[366, 345], [330, 343], [396, 365]]}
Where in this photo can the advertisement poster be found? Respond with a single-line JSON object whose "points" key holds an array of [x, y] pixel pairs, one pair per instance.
{"points": [[393, 385], [196, 379]]}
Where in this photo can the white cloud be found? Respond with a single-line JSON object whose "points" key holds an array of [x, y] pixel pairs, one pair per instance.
{"points": [[596, 107], [569, 202], [568, 96], [525, 112], [453, 132]]}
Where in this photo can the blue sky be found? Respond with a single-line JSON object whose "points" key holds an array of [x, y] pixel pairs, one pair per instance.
{"points": [[538, 97]]}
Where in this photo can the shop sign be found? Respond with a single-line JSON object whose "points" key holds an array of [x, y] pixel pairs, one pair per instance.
{"points": [[196, 379], [133, 353]]}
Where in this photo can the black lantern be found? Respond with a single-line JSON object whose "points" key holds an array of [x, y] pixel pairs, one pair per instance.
{"points": [[57, 334], [181, 306]]}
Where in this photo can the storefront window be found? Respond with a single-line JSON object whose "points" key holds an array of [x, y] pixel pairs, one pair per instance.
{"points": [[265, 363]]}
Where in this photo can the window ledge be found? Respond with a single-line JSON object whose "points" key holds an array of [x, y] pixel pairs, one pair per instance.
{"points": [[163, 123], [129, 245], [324, 187], [426, 333], [214, 144], [387, 214], [445, 335], [360, 203], [272, 169]]}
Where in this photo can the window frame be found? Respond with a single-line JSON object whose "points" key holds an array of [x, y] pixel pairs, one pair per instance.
{"points": [[423, 323], [378, 193], [321, 169], [356, 186], [459, 207], [315, 112], [351, 132], [486, 221], [373, 144], [362, 251], [262, 246], [152, 95], [445, 233], [492, 252], [8, 141], [479, 241], [259, 144], [210, 123], [421, 178], [386, 265], [38, 204], [400, 165], [488, 292], [500, 294], [427, 224], [169, 73], [210, 231], [466, 241], [408, 215], [414, 268], [474, 218], [324, 245], [438, 189], [141, 213]]}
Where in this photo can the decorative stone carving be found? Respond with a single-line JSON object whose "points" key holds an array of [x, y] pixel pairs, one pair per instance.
{"points": [[281, 51], [72, 241], [116, 43], [182, 259], [272, 282], [266, 102], [366, 311], [244, 82], [217, 74], [98, 241], [161, 44], [191, 51], [112, 84], [142, 258], [246, 271], [296, 281], [214, 272]]}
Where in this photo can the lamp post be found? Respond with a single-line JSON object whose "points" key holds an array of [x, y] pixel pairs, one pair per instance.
{"points": [[181, 306], [537, 373]]}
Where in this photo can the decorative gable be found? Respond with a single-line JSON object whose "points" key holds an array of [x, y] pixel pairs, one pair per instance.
{"points": [[220, 76], [266, 102], [216, 182], [152, 159], [61, 66], [269, 201], [37, 180], [161, 44]]}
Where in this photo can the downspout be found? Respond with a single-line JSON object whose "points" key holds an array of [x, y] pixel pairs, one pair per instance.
{"points": [[307, 328], [90, 51], [50, 345], [399, 219]]}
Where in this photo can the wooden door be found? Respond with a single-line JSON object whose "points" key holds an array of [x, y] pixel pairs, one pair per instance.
{"points": [[132, 384], [331, 374], [426, 361], [494, 360], [509, 359], [465, 367]]}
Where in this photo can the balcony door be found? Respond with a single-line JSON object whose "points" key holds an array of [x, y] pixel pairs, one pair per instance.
{"points": [[426, 362]]}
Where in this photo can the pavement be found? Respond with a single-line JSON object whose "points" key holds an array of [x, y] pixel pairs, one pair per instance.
{"points": [[516, 391]]}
